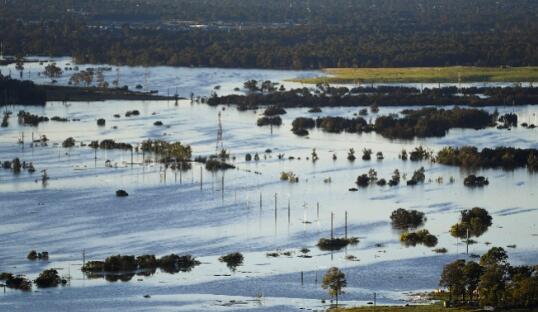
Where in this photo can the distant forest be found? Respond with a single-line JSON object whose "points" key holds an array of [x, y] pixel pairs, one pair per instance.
{"points": [[298, 34]]}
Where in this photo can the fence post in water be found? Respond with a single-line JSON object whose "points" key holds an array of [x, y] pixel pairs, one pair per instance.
{"points": [[332, 222], [345, 226], [201, 177], [131, 157], [83, 257], [318, 210], [222, 186], [260, 201], [289, 211], [302, 278]]}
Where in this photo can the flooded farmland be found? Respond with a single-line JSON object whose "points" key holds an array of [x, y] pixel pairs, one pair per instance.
{"points": [[76, 216]]}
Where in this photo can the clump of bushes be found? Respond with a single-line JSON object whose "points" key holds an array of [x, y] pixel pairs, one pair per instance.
{"points": [[366, 154], [174, 263], [101, 122], [69, 142], [16, 165], [122, 193], [418, 177], [395, 179], [158, 123], [146, 263], [508, 120], [420, 153], [274, 111], [301, 124], [232, 260], [132, 113], [49, 278], [120, 263], [420, 237], [475, 221], [59, 119], [289, 176], [27, 118], [269, 121], [168, 151], [351, 154], [215, 165], [340, 124], [316, 109], [366, 179], [475, 181], [16, 281], [110, 144], [403, 219], [5, 120], [34, 255], [336, 243], [363, 180]]}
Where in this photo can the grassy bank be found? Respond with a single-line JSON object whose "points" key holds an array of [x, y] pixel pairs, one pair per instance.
{"points": [[411, 308], [418, 308], [426, 75]]}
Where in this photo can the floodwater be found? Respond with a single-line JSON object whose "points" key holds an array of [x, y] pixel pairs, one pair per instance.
{"points": [[168, 212]]}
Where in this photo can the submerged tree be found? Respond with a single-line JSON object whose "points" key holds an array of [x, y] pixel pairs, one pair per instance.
{"points": [[52, 71], [473, 222]]}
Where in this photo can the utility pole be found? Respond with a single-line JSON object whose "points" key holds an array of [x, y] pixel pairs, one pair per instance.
{"points": [[275, 204], [219, 145]]}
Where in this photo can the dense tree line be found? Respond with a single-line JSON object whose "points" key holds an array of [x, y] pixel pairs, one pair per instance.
{"points": [[20, 92], [420, 14], [315, 34], [431, 122], [492, 281], [422, 123], [324, 96], [504, 157]]}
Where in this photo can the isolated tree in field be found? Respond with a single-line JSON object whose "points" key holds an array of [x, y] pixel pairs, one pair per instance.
{"points": [[334, 281], [52, 71]]}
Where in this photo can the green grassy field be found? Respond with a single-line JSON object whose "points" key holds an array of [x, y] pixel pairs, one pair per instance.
{"points": [[426, 75], [411, 308], [416, 308]]}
